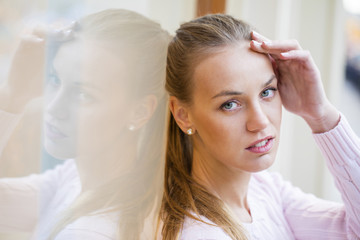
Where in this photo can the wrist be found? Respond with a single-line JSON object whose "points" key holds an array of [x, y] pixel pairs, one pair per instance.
{"points": [[324, 122], [9, 102]]}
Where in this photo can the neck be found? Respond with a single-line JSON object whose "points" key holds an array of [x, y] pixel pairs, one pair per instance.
{"points": [[226, 183]]}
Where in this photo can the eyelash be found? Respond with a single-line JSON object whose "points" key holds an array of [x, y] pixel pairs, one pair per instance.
{"points": [[222, 107], [267, 89], [84, 96]]}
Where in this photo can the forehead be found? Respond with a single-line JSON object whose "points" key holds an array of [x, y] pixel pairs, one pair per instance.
{"points": [[88, 61], [87, 52], [235, 67]]}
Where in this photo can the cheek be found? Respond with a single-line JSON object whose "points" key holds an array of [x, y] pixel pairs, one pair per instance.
{"points": [[274, 112], [278, 114], [219, 132], [101, 122]]}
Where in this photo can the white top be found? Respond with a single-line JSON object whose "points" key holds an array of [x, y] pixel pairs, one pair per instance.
{"points": [[32, 204]]}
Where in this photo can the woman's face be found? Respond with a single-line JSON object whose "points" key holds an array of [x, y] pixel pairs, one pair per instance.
{"points": [[236, 110], [86, 101]]}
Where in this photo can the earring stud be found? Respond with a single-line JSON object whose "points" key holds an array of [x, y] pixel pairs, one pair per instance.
{"points": [[189, 131], [131, 127]]}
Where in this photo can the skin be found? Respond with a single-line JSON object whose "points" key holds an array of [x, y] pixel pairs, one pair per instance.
{"points": [[235, 104], [88, 109], [224, 130], [299, 78], [13, 95], [82, 93]]}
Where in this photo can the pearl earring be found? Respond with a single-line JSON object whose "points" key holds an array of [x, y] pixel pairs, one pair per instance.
{"points": [[189, 131], [131, 127]]}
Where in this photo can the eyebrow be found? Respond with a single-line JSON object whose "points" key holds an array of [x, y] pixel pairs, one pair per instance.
{"points": [[269, 81], [232, 93]]}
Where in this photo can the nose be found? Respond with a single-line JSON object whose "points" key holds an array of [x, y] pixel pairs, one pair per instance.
{"points": [[58, 105], [257, 119]]}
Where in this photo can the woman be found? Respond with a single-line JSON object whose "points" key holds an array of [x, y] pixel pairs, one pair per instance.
{"points": [[225, 82], [105, 111]]}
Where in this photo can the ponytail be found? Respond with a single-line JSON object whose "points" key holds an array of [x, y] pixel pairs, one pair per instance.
{"points": [[183, 196]]}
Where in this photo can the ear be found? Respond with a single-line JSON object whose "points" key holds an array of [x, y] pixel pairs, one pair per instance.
{"points": [[142, 112], [181, 114]]}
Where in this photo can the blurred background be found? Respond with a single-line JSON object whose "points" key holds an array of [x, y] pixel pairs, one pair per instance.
{"points": [[330, 29]]}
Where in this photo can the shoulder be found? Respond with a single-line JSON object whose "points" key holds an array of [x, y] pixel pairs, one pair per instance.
{"points": [[96, 227], [266, 181], [61, 183], [196, 230], [269, 186], [270, 180], [66, 167], [65, 171], [80, 234]]}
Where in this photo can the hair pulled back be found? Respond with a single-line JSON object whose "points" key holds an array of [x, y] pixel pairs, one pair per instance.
{"points": [[133, 193], [183, 196]]}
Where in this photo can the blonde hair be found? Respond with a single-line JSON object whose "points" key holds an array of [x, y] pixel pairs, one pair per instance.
{"points": [[133, 193], [183, 196]]}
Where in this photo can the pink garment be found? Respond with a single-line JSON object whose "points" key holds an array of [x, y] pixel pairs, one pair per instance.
{"points": [[281, 211]]}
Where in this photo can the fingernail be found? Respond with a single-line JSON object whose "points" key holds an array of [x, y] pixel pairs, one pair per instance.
{"points": [[38, 39], [268, 43], [285, 54], [74, 26], [68, 32], [256, 43], [256, 34]]}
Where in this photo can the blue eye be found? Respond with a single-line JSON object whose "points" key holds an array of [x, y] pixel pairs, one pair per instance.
{"points": [[83, 96], [229, 106], [268, 93]]}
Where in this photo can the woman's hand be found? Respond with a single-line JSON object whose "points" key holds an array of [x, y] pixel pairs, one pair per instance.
{"points": [[299, 82], [26, 76]]}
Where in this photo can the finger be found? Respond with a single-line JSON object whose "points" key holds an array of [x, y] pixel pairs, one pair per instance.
{"points": [[258, 37], [296, 55], [281, 45], [274, 66], [258, 47], [262, 48], [56, 34], [40, 30], [61, 35], [30, 42], [29, 38], [275, 48]]}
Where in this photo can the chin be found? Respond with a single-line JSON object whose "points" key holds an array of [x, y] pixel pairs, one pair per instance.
{"points": [[261, 164]]}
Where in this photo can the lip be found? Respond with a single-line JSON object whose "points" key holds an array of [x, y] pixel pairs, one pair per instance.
{"points": [[53, 132], [263, 149]]}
